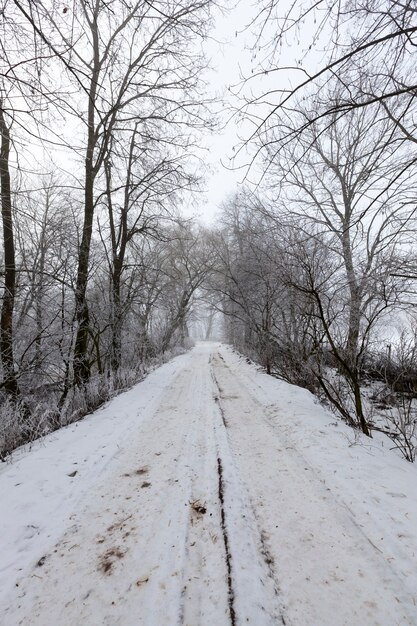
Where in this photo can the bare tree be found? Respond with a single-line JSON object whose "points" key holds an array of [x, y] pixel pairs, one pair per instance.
{"points": [[46, 251], [6, 323], [370, 50], [152, 45], [188, 261], [350, 179], [142, 188], [246, 276], [323, 254], [97, 277]]}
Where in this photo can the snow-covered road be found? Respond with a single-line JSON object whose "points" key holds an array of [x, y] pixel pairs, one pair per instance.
{"points": [[210, 494]]}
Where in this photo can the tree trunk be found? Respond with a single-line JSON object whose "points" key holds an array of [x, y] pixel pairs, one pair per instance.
{"points": [[116, 348], [119, 243], [176, 322], [82, 370], [81, 362], [351, 347], [6, 322], [358, 405], [39, 289]]}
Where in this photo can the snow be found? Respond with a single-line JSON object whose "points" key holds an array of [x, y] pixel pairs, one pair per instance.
{"points": [[38, 493], [210, 493]]}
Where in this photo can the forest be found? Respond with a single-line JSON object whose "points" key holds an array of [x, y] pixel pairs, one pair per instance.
{"points": [[309, 268]]}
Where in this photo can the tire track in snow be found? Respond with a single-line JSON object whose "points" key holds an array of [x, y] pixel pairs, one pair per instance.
{"points": [[322, 569], [204, 557], [264, 549], [231, 594], [245, 543]]}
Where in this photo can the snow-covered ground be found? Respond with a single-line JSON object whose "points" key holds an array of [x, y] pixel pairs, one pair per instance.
{"points": [[210, 494]]}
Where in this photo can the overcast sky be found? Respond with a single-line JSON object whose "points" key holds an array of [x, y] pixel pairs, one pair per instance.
{"points": [[229, 49]]}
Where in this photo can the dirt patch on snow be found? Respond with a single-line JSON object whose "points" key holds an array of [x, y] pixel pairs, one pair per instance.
{"points": [[109, 558]]}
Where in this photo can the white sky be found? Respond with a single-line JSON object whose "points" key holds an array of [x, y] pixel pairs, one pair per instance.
{"points": [[230, 52]]}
